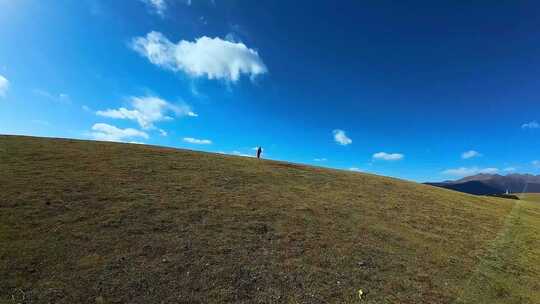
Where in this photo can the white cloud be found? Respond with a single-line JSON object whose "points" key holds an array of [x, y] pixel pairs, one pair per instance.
{"points": [[320, 159], [197, 141], [238, 153], [158, 6], [4, 85], [466, 171], [213, 58], [102, 131], [531, 125], [148, 110], [162, 132], [470, 154], [341, 137], [355, 169], [509, 169], [61, 97], [388, 156], [536, 163]]}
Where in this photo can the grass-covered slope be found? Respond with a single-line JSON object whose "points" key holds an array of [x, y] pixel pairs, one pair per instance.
{"points": [[510, 271], [94, 222]]}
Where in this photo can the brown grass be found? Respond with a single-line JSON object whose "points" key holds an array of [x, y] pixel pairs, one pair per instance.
{"points": [[94, 222]]}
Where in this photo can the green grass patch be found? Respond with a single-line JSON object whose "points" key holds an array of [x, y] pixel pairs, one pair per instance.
{"points": [[510, 271]]}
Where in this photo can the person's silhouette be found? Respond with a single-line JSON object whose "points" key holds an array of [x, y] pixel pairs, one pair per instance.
{"points": [[259, 151]]}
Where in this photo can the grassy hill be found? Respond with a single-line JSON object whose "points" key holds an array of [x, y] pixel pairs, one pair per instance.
{"points": [[94, 222]]}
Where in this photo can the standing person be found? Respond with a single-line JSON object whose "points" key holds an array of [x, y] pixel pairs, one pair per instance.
{"points": [[259, 151]]}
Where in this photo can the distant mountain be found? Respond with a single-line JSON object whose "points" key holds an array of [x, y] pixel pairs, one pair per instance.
{"points": [[488, 184], [472, 187]]}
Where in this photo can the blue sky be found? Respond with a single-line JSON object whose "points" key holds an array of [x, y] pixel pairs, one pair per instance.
{"points": [[425, 91]]}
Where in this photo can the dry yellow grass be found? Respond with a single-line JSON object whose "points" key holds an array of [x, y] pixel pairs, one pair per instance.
{"points": [[93, 222], [531, 197]]}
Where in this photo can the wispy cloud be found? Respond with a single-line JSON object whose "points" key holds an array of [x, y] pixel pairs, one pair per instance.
{"points": [[60, 97], [213, 58], [4, 86], [195, 91], [466, 171], [388, 156], [536, 163], [157, 6], [197, 141], [148, 110], [509, 169], [320, 159], [355, 169], [341, 137], [531, 125], [470, 154], [106, 132]]}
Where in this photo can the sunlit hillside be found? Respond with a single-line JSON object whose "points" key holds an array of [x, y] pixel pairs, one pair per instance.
{"points": [[97, 222]]}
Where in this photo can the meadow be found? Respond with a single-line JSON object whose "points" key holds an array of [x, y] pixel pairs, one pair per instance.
{"points": [[98, 222]]}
